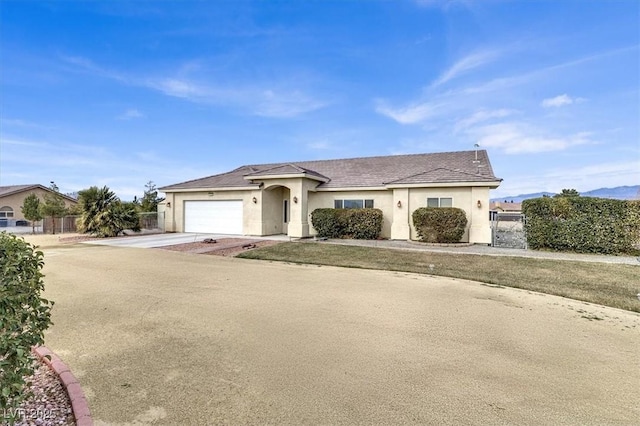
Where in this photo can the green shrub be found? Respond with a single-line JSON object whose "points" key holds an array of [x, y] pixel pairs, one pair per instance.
{"points": [[361, 224], [440, 224], [24, 315], [104, 215], [325, 222], [582, 224]]}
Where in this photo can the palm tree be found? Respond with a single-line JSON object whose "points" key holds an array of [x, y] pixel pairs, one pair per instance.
{"points": [[103, 214]]}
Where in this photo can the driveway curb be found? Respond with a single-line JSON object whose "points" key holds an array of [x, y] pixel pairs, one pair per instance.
{"points": [[79, 404]]}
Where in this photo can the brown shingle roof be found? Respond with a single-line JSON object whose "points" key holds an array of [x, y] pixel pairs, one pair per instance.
{"points": [[442, 167], [14, 189], [286, 169], [441, 175]]}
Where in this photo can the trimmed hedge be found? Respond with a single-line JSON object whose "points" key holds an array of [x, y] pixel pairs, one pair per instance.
{"points": [[440, 224], [359, 224], [582, 224]]}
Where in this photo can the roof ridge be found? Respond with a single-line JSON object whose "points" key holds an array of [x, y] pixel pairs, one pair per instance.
{"points": [[371, 157]]}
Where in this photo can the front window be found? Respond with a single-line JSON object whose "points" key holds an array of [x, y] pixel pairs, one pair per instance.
{"points": [[353, 204], [440, 202], [6, 212]]}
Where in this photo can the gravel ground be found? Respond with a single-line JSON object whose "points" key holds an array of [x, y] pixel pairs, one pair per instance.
{"points": [[222, 247], [49, 404]]}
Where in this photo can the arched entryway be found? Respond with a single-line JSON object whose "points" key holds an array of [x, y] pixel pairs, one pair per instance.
{"points": [[276, 209]]}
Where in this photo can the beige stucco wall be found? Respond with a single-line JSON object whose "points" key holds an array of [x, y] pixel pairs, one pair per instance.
{"points": [[265, 216], [15, 201], [174, 208], [465, 198], [382, 200]]}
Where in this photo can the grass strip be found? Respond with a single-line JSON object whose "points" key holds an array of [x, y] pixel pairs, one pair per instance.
{"points": [[607, 284]]}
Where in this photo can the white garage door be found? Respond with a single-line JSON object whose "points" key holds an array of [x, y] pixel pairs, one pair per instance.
{"points": [[213, 217]]}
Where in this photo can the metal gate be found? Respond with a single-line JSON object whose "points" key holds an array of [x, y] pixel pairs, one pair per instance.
{"points": [[507, 231]]}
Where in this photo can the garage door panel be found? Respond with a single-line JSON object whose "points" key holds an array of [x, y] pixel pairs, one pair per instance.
{"points": [[214, 217]]}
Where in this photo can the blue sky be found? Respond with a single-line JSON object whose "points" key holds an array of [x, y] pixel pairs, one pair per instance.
{"points": [[119, 93]]}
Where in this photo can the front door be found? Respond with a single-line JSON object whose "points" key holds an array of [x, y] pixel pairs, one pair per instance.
{"points": [[285, 216]]}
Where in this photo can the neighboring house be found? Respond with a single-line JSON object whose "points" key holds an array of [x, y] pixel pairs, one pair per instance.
{"points": [[506, 207], [268, 199], [12, 198]]}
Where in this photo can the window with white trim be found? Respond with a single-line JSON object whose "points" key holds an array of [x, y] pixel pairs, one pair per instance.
{"points": [[440, 202], [352, 204], [6, 212]]}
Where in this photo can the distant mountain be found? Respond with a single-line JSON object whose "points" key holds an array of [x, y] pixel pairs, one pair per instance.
{"points": [[619, 193]]}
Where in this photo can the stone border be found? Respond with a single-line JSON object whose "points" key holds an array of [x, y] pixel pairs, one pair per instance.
{"points": [[79, 404]]}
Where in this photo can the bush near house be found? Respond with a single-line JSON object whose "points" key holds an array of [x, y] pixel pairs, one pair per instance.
{"points": [[440, 224], [359, 224], [24, 315], [582, 224]]}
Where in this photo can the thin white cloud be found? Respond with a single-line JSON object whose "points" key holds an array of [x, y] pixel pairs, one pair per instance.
{"points": [[519, 138], [408, 115], [130, 114], [283, 104], [16, 122], [4, 141], [482, 116], [74, 167], [85, 65], [466, 64], [504, 83], [559, 101], [179, 88], [263, 99]]}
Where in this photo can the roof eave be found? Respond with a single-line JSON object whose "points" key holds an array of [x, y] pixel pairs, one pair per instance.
{"points": [[490, 184], [38, 186], [287, 176], [210, 189]]}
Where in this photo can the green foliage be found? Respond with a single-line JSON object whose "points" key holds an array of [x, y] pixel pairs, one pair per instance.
{"points": [[360, 224], [440, 224], [150, 199], [326, 223], [104, 215], [54, 205], [74, 210], [24, 315], [32, 210], [582, 224], [568, 193]]}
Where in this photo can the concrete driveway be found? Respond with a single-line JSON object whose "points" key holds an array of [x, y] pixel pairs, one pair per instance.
{"points": [[161, 240], [159, 337]]}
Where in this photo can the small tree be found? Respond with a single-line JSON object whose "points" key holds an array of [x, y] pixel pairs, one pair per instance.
{"points": [[150, 199], [104, 215], [24, 315], [32, 210], [568, 193], [54, 205]]}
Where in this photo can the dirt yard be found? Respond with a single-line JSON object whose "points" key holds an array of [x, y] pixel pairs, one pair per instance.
{"points": [[221, 247], [165, 337]]}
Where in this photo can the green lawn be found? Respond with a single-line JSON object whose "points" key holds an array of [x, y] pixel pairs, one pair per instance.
{"points": [[603, 283]]}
